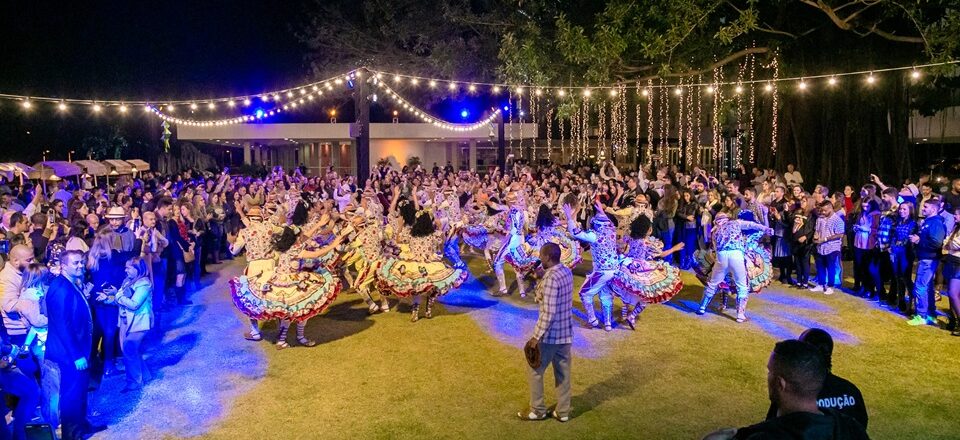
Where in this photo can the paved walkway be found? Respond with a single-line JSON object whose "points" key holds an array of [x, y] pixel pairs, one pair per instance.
{"points": [[199, 364]]}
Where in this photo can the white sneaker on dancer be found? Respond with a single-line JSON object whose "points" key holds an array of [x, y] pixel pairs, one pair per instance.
{"points": [[828, 291], [817, 288]]}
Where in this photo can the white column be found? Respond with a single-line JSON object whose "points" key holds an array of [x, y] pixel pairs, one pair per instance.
{"points": [[473, 154], [246, 153]]}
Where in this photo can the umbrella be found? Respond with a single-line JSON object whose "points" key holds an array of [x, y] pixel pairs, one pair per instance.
{"points": [[55, 168], [92, 167]]}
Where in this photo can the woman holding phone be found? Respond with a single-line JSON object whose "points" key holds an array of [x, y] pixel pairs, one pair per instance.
{"points": [[103, 265], [135, 319]]}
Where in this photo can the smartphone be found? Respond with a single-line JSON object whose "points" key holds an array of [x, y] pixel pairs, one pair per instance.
{"points": [[4, 246]]}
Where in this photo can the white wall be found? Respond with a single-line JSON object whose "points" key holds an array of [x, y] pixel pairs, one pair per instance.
{"points": [[399, 150]]}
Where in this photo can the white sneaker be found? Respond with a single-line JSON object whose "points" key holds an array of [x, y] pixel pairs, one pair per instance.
{"points": [[816, 288], [828, 291]]}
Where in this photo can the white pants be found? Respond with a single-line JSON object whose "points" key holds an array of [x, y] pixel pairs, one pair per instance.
{"points": [[732, 262]]}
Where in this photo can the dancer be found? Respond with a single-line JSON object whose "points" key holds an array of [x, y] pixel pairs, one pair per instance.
{"points": [[512, 246], [255, 238], [485, 230], [367, 250], [644, 278], [603, 245], [730, 245], [526, 259], [419, 269]]}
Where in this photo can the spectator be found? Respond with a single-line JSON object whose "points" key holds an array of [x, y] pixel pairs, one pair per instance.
{"points": [[928, 243], [77, 239], [792, 176], [69, 340], [44, 230], [866, 269], [553, 335], [837, 393], [11, 276], [15, 382], [104, 268], [828, 234], [136, 318], [951, 271], [796, 373]]}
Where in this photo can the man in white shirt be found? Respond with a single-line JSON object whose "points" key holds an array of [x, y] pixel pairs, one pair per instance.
{"points": [[792, 176]]}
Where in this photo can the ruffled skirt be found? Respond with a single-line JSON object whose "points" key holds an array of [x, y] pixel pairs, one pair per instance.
{"points": [[405, 278], [298, 296], [653, 282]]}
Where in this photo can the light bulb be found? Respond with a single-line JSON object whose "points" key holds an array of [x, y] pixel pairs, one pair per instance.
{"points": [[193, 106], [871, 79], [496, 89], [472, 88], [123, 108], [27, 104], [171, 108], [452, 86], [289, 94], [768, 87], [645, 92], [62, 106], [146, 107], [709, 89], [246, 101], [587, 92], [613, 93], [915, 74], [433, 83], [303, 92], [396, 78], [802, 85], [96, 107], [211, 106], [561, 92], [738, 89], [678, 91], [519, 90], [231, 104], [832, 81]]}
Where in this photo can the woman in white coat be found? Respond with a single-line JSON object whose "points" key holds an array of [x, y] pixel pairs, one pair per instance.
{"points": [[134, 299]]}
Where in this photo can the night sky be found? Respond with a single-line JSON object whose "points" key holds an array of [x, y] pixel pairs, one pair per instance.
{"points": [[122, 49]]}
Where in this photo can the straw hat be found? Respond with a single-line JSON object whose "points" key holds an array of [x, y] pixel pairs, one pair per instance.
{"points": [[115, 212]]}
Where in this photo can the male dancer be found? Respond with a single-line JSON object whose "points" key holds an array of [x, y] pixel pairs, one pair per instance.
{"points": [[606, 260], [729, 242]]}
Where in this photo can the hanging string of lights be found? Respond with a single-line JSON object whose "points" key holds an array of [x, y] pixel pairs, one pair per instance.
{"points": [[430, 119], [803, 82]]}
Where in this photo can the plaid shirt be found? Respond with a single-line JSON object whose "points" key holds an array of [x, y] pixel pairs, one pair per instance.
{"points": [[555, 295], [830, 226], [883, 233]]}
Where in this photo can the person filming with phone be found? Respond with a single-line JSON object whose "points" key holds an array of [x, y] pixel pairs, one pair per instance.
{"points": [[105, 269]]}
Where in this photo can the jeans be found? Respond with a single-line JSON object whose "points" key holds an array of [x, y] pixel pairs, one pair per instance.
{"points": [[50, 392], [923, 292], [801, 261], [559, 355], [828, 267], [866, 270], [16, 383], [137, 372], [689, 246], [728, 262], [105, 334], [901, 263], [159, 283]]}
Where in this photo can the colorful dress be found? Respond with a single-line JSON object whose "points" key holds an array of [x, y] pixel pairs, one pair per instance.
{"points": [[419, 270], [289, 293], [650, 280], [256, 239], [570, 252]]}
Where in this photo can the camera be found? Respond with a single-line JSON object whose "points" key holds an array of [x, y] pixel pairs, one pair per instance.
{"points": [[9, 354]]}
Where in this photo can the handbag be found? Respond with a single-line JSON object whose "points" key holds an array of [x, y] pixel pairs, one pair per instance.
{"points": [[532, 353], [188, 255]]}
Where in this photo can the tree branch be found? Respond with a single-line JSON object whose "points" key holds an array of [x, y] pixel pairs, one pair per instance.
{"points": [[893, 37], [724, 61], [845, 23]]}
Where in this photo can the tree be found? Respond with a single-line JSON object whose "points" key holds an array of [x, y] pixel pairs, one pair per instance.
{"points": [[107, 146]]}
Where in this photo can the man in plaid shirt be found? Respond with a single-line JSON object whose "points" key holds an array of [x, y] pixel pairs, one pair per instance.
{"points": [[553, 334], [829, 233]]}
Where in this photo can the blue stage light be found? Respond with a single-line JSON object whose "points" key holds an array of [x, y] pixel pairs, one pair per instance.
{"points": [[464, 113]]}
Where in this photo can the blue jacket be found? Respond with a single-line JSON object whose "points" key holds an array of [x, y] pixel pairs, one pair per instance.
{"points": [[70, 331], [932, 233]]}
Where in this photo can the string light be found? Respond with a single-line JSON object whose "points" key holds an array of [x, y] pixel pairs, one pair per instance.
{"points": [[62, 106], [472, 88], [122, 108], [561, 93], [709, 89], [645, 92], [802, 85], [452, 86], [212, 106], [768, 87], [677, 91], [425, 117], [587, 93], [97, 108], [193, 106], [915, 74], [171, 108], [871, 79], [832, 81], [246, 102], [496, 90], [738, 89], [26, 104]]}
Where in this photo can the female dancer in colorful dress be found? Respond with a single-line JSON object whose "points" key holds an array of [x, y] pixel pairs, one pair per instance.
{"points": [[485, 231], [366, 253], [525, 260], [419, 269], [644, 278], [255, 237]]}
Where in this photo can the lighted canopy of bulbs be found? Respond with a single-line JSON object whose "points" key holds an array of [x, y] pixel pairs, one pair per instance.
{"points": [[290, 98]]}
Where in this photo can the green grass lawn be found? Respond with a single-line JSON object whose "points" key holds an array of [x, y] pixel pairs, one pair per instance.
{"points": [[679, 375]]}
